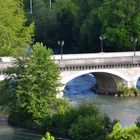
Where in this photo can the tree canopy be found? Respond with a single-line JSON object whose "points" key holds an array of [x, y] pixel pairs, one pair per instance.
{"points": [[32, 85], [14, 34], [120, 22], [80, 24]]}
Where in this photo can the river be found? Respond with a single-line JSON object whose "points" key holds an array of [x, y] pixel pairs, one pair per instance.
{"points": [[78, 91], [126, 109], [8, 132]]}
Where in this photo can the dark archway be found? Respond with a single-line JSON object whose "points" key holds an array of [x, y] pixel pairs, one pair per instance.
{"points": [[107, 83]]}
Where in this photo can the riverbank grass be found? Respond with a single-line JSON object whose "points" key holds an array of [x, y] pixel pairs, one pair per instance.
{"points": [[125, 91]]}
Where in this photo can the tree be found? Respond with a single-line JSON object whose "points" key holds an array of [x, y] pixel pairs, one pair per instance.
{"points": [[89, 25], [39, 17], [89, 124], [60, 26], [33, 84], [14, 34], [120, 22]]}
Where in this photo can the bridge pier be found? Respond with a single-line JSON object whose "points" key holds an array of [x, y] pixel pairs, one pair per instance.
{"points": [[131, 84]]}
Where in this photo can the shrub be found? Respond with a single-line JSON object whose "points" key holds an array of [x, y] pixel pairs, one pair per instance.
{"points": [[90, 124], [134, 90], [129, 133], [88, 128], [121, 89], [62, 120], [48, 137]]}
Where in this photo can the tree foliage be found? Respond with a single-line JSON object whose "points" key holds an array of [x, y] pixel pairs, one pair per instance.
{"points": [[120, 22], [90, 124], [89, 25], [80, 24], [129, 133], [54, 23], [33, 84], [14, 34]]}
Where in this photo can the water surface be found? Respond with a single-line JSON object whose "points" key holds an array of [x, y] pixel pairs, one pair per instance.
{"points": [[126, 109]]}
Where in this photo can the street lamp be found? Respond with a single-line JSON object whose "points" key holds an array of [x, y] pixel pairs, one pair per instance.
{"points": [[31, 6], [50, 4], [29, 47], [102, 37], [61, 44], [134, 41]]}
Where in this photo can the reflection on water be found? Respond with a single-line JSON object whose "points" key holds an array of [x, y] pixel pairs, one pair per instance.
{"points": [[124, 109], [8, 132]]}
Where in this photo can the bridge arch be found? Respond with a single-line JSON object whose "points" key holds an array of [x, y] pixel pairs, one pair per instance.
{"points": [[107, 80]]}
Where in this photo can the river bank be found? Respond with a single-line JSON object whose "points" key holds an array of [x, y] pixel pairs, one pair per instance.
{"points": [[9, 132]]}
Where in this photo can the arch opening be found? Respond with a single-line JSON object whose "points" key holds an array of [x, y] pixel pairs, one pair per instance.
{"points": [[98, 82], [79, 85], [107, 83]]}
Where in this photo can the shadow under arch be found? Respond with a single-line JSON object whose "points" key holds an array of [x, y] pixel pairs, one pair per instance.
{"points": [[107, 81], [80, 84]]}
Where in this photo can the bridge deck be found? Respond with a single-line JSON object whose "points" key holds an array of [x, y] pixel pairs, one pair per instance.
{"points": [[96, 55]]}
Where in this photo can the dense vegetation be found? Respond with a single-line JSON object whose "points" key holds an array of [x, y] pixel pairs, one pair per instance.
{"points": [[129, 133], [14, 34], [31, 85], [123, 90], [80, 23]]}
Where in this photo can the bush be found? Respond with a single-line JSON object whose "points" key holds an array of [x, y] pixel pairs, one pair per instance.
{"points": [[86, 117], [48, 137], [129, 133], [88, 128], [134, 90], [62, 120], [121, 89]]}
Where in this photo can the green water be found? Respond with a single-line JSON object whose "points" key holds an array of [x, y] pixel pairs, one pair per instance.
{"points": [[127, 109], [8, 132]]}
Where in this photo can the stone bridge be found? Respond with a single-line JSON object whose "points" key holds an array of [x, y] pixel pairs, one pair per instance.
{"points": [[109, 69]]}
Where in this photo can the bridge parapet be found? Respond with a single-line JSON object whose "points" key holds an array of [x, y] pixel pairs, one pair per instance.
{"points": [[99, 63]]}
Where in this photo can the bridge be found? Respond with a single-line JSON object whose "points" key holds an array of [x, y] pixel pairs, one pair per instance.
{"points": [[109, 69]]}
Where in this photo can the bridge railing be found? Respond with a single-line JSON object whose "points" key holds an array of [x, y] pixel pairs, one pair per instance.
{"points": [[90, 63], [99, 63]]}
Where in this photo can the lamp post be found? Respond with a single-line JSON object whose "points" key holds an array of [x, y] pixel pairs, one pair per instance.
{"points": [[50, 4], [61, 44], [31, 6], [29, 47], [102, 37], [134, 41]]}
